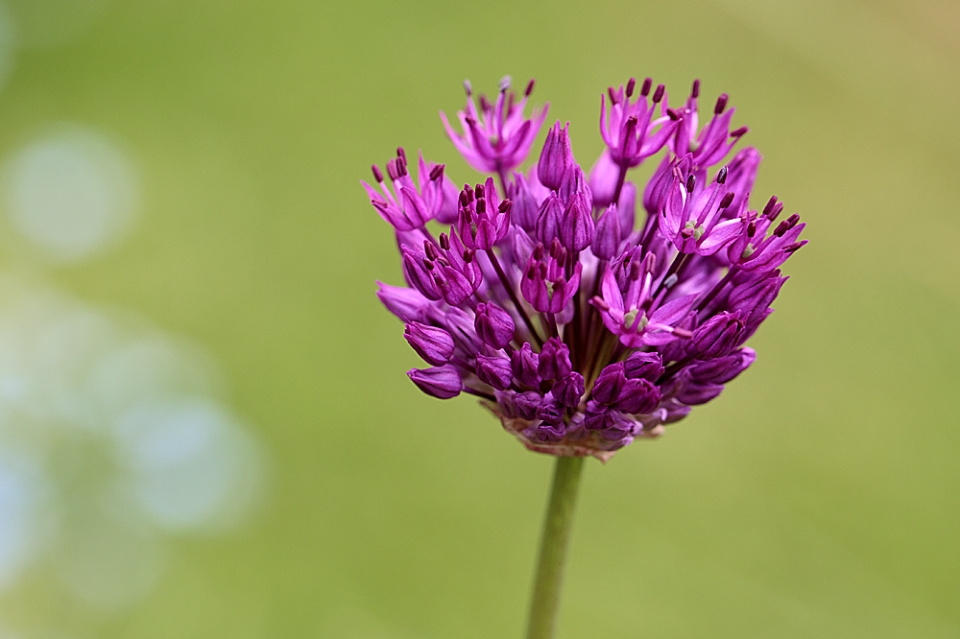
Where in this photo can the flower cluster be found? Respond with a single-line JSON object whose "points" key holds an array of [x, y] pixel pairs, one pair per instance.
{"points": [[578, 327]]}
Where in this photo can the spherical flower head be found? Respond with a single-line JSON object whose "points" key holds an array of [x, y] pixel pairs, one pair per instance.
{"points": [[580, 327]]}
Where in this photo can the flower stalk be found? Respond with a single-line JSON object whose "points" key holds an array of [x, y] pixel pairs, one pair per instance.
{"points": [[557, 524]]}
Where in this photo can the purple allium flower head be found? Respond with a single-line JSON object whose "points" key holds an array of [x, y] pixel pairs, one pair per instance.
{"points": [[578, 329], [497, 139]]}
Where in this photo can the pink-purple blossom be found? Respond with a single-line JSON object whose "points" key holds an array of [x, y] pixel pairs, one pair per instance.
{"points": [[581, 327]]}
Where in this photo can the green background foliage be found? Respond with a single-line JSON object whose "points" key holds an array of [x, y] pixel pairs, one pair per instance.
{"points": [[818, 497]]}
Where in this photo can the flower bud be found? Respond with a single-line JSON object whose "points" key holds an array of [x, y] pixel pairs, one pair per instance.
{"points": [[550, 410], [434, 345], [495, 370], [638, 396], [569, 390], [694, 393], [554, 360], [576, 225], [556, 156], [723, 369], [548, 221], [406, 303], [442, 382], [643, 365], [494, 325], [606, 239], [525, 364], [606, 390], [527, 404], [718, 336]]}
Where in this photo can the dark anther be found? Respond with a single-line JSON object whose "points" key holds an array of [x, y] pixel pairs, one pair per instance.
{"points": [[377, 175], [721, 104], [612, 95], [484, 103], [751, 229], [695, 92], [673, 115], [691, 183], [469, 191], [739, 133], [793, 248], [468, 255], [727, 199], [430, 250], [402, 154], [636, 270], [786, 225], [658, 93], [478, 190], [504, 206], [529, 90], [722, 176], [444, 242], [631, 85], [481, 206], [645, 87], [436, 172], [772, 202], [538, 252]]}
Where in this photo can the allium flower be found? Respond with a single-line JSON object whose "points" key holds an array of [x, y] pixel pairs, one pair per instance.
{"points": [[578, 328], [499, 137]]}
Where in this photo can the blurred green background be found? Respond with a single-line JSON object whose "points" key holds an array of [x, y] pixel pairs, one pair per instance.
{"points": [[819, 497]]}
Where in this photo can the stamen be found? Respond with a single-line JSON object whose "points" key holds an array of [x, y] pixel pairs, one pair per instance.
{"points": [[739, 133], [630, 86], [695, 93], [768, 209], [612, 95], [658, 94], [529, 90], [430, 250], [402, 154], [505, 82], [444, 242], [673, 115], [721, 104], [468, 88], [722, 176], [793, 248], [377, 175], [645, 88], [727, 199], [691, 183], [786, 225], [504, 206], [436, 172]]}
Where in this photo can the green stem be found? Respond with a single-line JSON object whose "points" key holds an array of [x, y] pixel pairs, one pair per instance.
{"points": [[553, 548]]}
